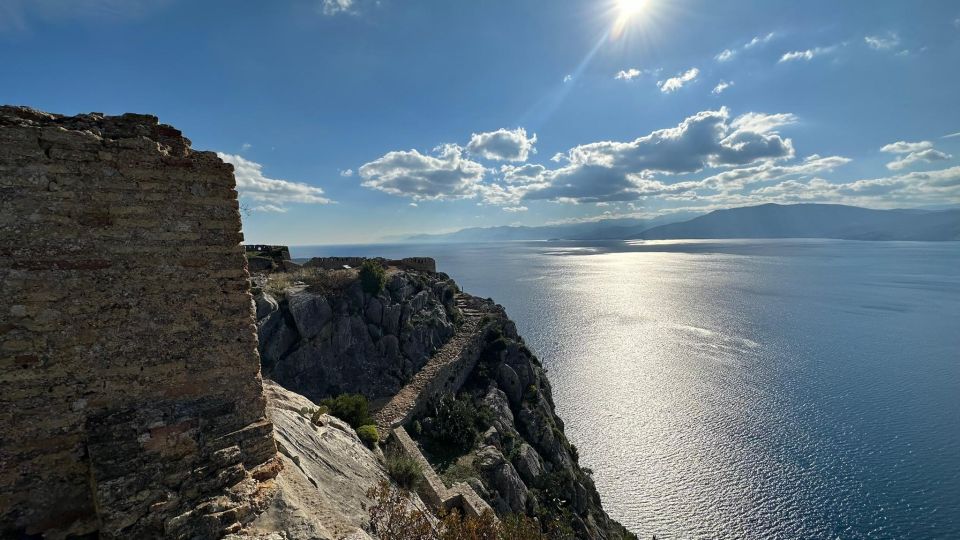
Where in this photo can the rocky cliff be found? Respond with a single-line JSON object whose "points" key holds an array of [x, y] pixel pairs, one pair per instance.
{"points": [[323, 336]]}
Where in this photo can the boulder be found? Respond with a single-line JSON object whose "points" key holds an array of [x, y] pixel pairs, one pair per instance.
{"points": [[310, 312], [528, 463], [511, 492]]}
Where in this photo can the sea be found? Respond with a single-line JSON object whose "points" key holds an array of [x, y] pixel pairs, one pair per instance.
{"points": [[742, 388]]}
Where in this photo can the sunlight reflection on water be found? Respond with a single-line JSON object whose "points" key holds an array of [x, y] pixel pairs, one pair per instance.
{"points": [[775, 389]]}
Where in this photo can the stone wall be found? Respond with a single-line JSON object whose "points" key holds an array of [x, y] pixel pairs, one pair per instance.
{"points": [[130, 396], [423, 264]]}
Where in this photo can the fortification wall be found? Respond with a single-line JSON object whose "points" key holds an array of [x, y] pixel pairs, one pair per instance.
{"points": [[424, 264], [130, 395]]}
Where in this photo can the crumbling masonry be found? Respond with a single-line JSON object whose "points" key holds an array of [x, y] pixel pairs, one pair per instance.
{"points": [[130, 394]]}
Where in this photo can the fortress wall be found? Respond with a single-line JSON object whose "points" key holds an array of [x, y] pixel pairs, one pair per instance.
{"points": [[130, 393]]}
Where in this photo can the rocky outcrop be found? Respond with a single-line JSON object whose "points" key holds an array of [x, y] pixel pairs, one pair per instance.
{"points": [[326, 343], [130, 399], [321, 343], [322, 490]]}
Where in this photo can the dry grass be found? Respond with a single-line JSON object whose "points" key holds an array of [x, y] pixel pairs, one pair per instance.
{"points": [[315, 280]]}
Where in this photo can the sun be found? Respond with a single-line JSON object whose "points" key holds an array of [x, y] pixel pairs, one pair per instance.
{"points": [[627, 12], [629, 8]]}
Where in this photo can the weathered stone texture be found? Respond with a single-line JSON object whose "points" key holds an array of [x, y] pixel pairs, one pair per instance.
{"points": [[130, 394]]}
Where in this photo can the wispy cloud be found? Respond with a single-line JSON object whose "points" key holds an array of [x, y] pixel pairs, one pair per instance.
{"points": [[882, 42], [951, 135], [807, 54], [675, 83], [721, 86], [273, 192], [728, 54], [335, 7]]}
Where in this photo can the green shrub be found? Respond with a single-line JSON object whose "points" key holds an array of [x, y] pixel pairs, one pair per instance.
{"points": [[373, 277], [369, 435], [351, 408], [455, 424], [404, 470]]}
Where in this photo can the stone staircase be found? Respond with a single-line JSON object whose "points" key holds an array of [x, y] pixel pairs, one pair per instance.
{"points": [[444, 373]]}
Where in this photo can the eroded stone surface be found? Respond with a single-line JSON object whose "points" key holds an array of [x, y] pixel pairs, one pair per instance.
{"points": [[130, 394]]}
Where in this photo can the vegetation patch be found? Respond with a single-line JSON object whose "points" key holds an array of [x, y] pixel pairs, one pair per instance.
{"points": [[353, 409], [404, 470], [369, 435], [373, 277]]}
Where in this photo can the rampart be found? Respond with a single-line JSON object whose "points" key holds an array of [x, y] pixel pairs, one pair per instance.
{"points": [[130, 396]]}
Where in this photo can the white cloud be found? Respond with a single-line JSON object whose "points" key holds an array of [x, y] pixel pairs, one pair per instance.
{"points": [[524, 174], [759, 40], [628, 74], [515, 209], [884, 42], [903, 147], [447, 175], [567, 78], [253, 185], [951, 135], [413, 204], [675, 83], [346, 173], [624, 171], [725, 55], [335, 7], [927, 156], [503, 144], [269, 208], [807, 54], [245, 146], [721, 86]]}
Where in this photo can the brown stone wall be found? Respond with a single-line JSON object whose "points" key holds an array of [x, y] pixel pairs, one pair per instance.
{"points": [[130, 395]]}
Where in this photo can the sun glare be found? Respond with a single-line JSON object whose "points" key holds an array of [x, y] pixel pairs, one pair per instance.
{"points": [[626, 12]]}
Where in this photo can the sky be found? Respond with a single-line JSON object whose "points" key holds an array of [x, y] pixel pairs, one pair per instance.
{"points": [[354, 121]]}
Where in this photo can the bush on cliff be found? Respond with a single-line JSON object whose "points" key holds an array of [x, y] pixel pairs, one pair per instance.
{"points": [[373, 277], [456, 423], [404, 470], [351, 408], [369, 435]]}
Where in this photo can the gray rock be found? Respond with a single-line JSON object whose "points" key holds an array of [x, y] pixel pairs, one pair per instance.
{"points": [[310, 312], [509, 382], [528, 463], [502, 477], [265, 305]]}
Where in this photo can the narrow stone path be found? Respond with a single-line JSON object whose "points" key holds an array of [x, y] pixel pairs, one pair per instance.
{"points": [[398, 409]]}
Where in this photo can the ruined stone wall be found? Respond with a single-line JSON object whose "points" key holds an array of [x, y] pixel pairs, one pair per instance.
{"points": [[424, 264], [130, 394]]}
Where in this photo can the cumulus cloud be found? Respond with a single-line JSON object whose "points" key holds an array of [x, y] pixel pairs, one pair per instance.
{"points": [[675, 83], [884, 42], [721, 86], [623, 171], [445, 175], [515, 208], [628, 74], [524, 174], [273, 192], [347, 173], [807, 54], [503, 145]]}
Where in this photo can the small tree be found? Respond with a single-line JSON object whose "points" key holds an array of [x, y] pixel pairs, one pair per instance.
{"points": [[373, 277]]}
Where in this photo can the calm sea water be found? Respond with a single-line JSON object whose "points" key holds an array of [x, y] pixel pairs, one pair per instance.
{"points": [[744, 389]]}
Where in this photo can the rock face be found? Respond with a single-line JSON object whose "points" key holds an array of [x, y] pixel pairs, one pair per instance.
{"points": [[326, 343], [130, 399], [327, 471]]}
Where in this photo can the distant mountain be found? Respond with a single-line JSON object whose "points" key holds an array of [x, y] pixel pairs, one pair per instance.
{"points": [[814, 221], [607, 229]]}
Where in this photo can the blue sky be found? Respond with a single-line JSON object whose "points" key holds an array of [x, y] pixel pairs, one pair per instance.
{"points": [[351, 120]]}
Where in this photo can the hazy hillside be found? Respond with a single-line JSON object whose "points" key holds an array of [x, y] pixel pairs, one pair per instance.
{"points": [[607, 229], [814, 221]]}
